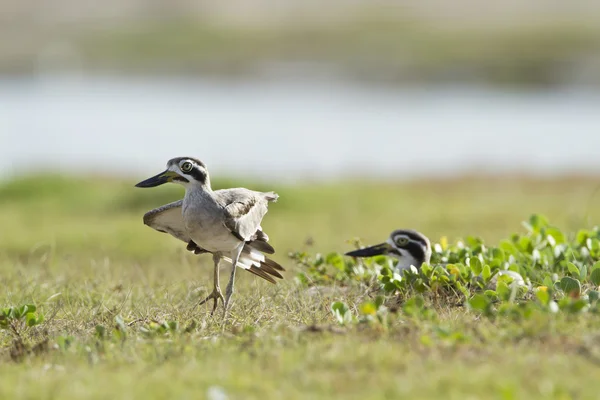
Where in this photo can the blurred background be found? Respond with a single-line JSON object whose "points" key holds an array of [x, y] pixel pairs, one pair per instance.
{"points": [[300, 89], [284, 93]]}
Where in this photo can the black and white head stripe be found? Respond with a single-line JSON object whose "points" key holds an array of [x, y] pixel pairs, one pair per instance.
{"points": [[191, 167], [408, 235], [413, 242]]}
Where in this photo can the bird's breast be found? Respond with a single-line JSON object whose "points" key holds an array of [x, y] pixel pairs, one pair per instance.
{"points": [[206, 228]]}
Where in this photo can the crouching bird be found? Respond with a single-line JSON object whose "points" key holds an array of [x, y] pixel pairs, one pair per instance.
{"points": [[225, 223], [408, 246]]}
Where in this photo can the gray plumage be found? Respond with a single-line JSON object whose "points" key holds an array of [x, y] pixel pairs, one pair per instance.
{"points": [[225, 223], [169, 219]]}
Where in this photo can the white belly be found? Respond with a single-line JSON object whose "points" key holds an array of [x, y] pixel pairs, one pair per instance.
{"points": [[222, 241]]}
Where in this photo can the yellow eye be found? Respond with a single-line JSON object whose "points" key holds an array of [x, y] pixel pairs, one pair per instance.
{"points": [[402, 241], [186, 166]]}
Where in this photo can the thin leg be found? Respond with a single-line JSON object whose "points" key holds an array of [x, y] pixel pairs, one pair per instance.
{"points": [[216, 293], [235, 255]]}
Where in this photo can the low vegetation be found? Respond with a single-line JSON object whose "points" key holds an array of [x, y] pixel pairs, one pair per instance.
{"points": [[97, 305]]}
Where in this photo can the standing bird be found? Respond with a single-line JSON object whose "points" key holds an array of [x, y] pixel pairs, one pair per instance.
{"points": [[408, 246], [223, 222]]}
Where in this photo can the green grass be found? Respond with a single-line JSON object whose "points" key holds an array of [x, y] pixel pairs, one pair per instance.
{"points": [[77, 249]]}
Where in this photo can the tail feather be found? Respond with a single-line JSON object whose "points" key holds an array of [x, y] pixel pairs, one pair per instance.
{"points": [[273, 264], [257, 261], [261, 246], [262, 274], [271, 196], [259, 241], [252, 258], [270, 270]]}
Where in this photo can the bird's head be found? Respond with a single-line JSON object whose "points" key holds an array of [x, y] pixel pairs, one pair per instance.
{"points": [[408, 246], [186, 171]]}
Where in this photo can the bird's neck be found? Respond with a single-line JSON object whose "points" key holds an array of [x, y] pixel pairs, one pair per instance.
{"points": [[196, 186], [197, 192], [407, 260]]}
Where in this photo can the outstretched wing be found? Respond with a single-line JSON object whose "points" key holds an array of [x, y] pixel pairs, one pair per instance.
{"points": [[244, 210], [168, 219]]}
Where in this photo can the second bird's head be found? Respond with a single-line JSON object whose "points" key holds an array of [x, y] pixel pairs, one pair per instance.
{"points": [[186, 171], [408, 246]]}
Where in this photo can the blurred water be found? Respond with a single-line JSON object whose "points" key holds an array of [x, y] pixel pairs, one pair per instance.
{"points": [[291, 130]]}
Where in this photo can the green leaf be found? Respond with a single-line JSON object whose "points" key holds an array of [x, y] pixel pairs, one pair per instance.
{"points": [[479, 302], [548, 281], [557, 236], [543, 296], [572, 306], [426, 269], [491, 294], [593, 296], [573, 268], [538, 222], [341, 312], [570, 286], [379, 301], [100, 331], [583, 273], [582, 236], [475, 265], [486, 273], [414, 306], [31, 308], [508, 247], [463, 289], [173, 325], [389, 287], [498, 254], [503, 290], [336, 260], [595, 275]]}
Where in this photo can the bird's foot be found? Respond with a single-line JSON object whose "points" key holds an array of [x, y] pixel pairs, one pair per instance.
{"points": [[226, 307], [215, 296]]}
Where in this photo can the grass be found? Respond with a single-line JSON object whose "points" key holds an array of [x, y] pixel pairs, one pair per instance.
{"points": [[77, 249]]}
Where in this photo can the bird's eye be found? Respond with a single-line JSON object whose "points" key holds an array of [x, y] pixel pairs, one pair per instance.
{"points": [[186, 166], [402, 241]]}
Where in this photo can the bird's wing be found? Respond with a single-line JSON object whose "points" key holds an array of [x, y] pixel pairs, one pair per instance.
{"points": [[244, 210], [168, 219]]}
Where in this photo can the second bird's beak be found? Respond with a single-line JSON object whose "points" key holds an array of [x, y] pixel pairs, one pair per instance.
{"points": [[376, 250], [156, 180]]}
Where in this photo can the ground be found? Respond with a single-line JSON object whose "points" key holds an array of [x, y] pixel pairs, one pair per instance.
{"points": [[78, 250]]}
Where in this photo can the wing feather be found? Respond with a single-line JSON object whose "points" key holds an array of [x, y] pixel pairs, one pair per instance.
{"points": [[244, 210], [168, 219], [243, 216]]}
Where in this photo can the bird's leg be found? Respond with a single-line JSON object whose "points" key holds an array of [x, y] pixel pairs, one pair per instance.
{"points": [[235, 255], [216, 293]]}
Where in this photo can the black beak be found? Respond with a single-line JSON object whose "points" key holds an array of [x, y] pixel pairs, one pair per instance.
{"points": [[163, 177], [376, 250]]}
